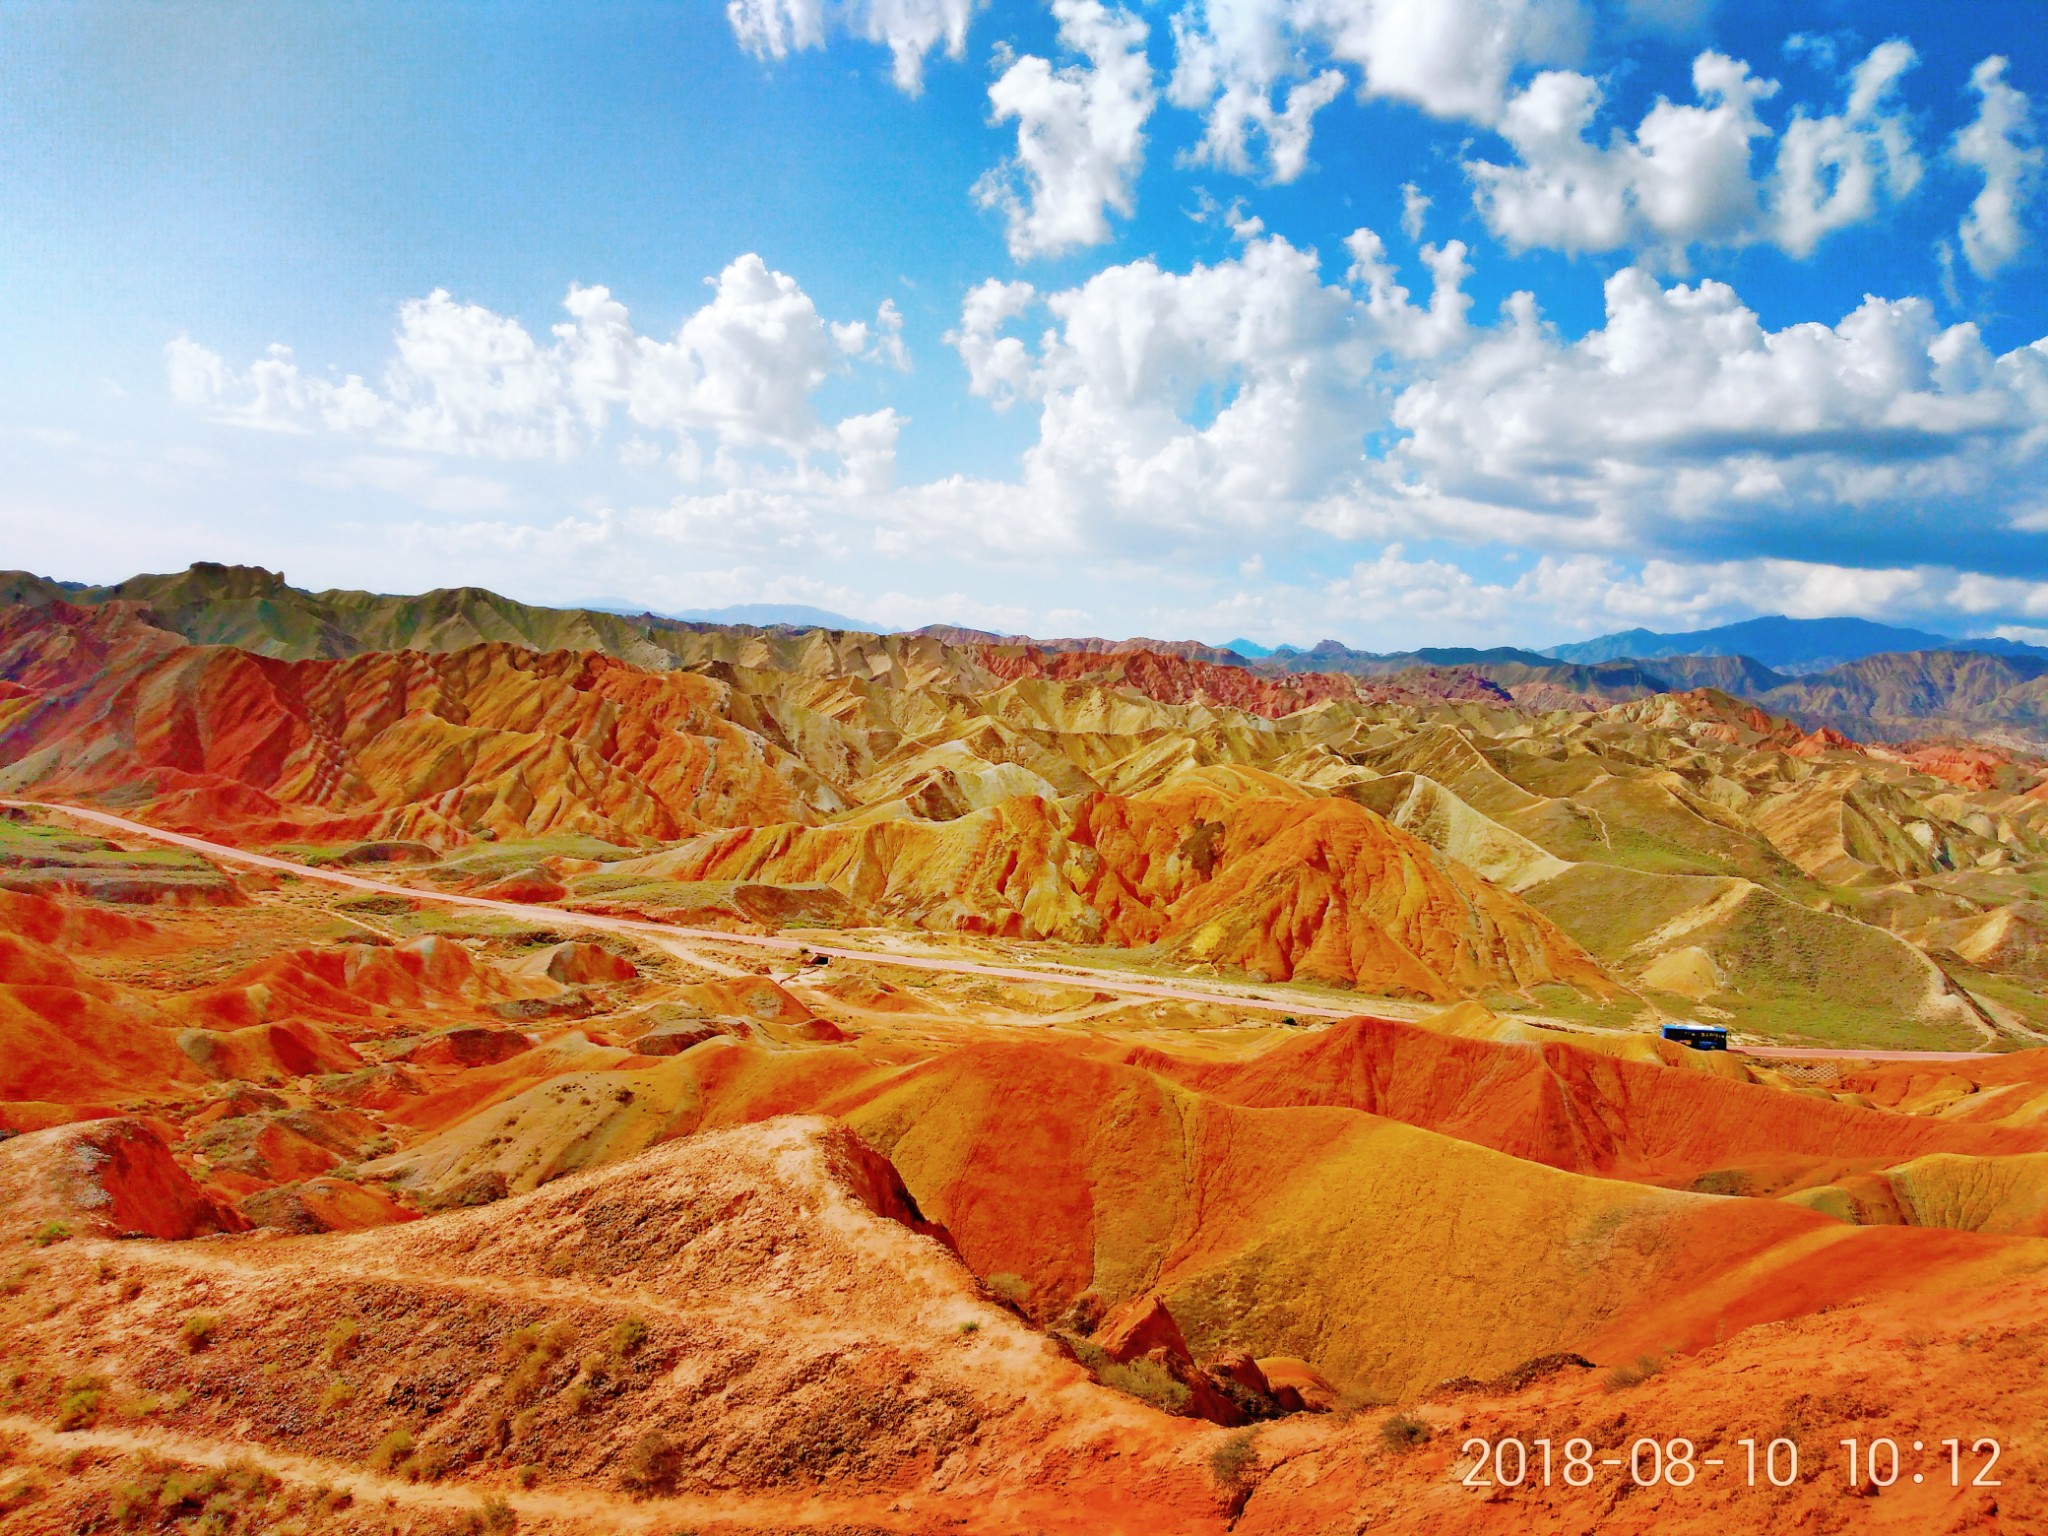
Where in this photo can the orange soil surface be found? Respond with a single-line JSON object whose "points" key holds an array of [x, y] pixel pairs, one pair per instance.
{"points": [[1583, 1109], [1891, 1368], [738, 1332], [867, 1235]]}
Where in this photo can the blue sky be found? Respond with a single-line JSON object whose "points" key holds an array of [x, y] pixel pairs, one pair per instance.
{"points": [[1397, 321]]}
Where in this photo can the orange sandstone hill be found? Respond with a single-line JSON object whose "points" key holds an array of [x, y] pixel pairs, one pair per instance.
{"points": [[740, 1332], [1275, 885], [1569, 1104], [396, 745], [677, 1078], [1682, 854], [451, 1215], [1243, 870], [1183, 680], [1403, 1257]]}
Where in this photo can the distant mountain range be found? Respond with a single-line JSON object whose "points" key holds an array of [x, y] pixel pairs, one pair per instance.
{"points": [[1788, 647], [760, 615], [1987, 690], [1791, 646]]}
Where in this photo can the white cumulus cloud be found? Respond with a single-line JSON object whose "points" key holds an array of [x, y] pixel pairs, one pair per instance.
{"points": [[1586, 594], [738, 376], [1230, 395], [2001, 144], [1261, 393], [909, 29], [1236, 110], [1832, 168], [1684, 176], [1080, 132], [1683, 418], [1266, 67], [1414, 210]]}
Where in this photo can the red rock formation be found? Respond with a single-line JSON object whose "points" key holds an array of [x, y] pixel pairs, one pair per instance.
{"points": [[1965, 764], [395, 745], [1280, 885], [110, 1178], [1138, 1327], [527, 886]]}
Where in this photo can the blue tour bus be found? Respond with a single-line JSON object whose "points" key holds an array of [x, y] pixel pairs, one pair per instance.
{"points": [[1701, 1037]]}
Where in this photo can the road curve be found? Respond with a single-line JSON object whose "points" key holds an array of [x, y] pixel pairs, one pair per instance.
{"points": [[1071, 976]]}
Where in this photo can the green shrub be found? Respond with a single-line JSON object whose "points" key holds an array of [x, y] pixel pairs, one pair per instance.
{"points": [[1149, 1382], [651, 1464], [340, 1342], [149, 1404], [1093, 1357], [387, 1453], [627, 1338], [426, 1463], [1234, 1461], [1012, 1289], [246, 1480], [198, 1329], [1404, 1432], [1625, 1376], [530, 1354], [191, 1487], [324, 1496], [50, 1232], [26, 1490], [398, 1455], [80, 1404], [132, 1504]]}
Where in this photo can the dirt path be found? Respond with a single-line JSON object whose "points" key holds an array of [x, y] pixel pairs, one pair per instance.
{"points": [[1069, 976], [625, 1301], [597, 1509], [586, 1509], [671, 936]]}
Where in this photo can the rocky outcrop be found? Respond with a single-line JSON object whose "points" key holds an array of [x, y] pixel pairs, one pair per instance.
{"points": [[104, 1178], [1138, 1327], [579, 964]]}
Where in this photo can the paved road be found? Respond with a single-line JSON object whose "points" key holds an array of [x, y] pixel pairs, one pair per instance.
{"points": [[562, 917], [1071, 976]]}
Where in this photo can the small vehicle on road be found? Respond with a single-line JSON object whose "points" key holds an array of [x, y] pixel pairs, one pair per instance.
{"points": [[1701, 1037]]}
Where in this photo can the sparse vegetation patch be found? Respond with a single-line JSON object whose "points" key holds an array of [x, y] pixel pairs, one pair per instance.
{"points": [[1404, 1432]]}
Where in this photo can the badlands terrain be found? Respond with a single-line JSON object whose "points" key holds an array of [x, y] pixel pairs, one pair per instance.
{"points": [[471, 1067]]}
